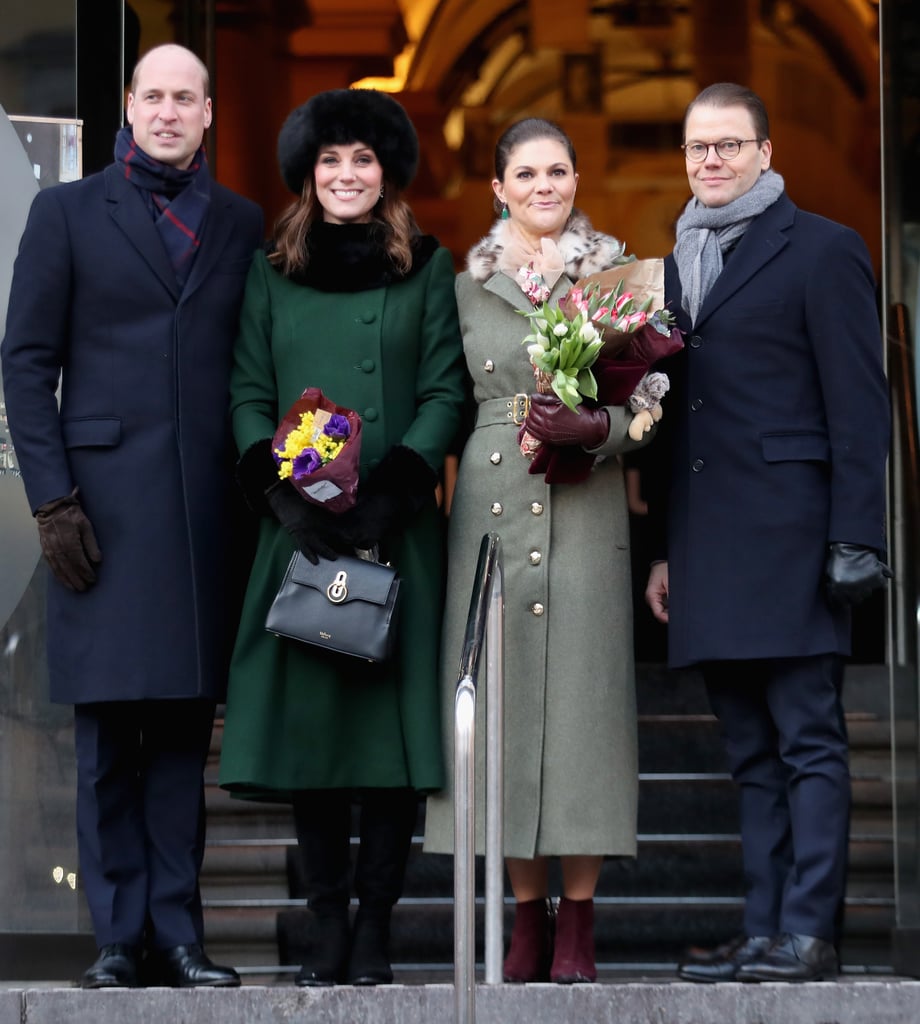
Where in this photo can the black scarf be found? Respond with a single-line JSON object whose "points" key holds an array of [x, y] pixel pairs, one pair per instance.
{"points": [[351, 258], [178, 199]]}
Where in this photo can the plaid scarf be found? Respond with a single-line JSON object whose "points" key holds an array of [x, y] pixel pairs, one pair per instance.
{"points": [[177, 199]]}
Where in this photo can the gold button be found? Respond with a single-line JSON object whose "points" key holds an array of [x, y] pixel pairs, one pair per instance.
{"points": [[497, 508], [536, 557], [537, 508], [495, 458], [537, 608], [488, 366]]}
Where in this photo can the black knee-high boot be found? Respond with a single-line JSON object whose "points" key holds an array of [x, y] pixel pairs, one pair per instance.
{"points": [[387, 822], [323, 822]]}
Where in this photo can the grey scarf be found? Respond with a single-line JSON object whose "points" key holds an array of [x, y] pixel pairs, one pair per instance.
{"points": [[705, 232]]}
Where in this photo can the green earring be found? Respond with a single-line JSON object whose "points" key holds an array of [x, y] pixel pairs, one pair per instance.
{"points": [[505, 214]]}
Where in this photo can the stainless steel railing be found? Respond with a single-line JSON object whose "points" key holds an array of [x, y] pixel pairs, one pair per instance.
{"points": [[484, 631]]}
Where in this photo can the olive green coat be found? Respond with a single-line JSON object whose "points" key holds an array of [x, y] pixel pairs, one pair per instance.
{"points": [[570, 710], [296, 717]]}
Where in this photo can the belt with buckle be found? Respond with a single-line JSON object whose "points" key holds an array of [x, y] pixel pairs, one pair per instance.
{"points": [[512, 411]]}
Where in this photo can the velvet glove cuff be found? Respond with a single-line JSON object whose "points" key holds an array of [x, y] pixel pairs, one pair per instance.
{"points": [[315, 531], [552, 422], [68, 542], [256, 472], [853, 572], [392, 495]]}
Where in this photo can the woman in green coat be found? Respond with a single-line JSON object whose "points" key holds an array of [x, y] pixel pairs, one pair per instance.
{"points": [[352, 299], [570, 710]]}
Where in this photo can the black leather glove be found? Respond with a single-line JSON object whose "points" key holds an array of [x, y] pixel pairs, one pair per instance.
{"points": [[68, 542], [256, 472], [853, 572], [554, 423], [390, 498], [315, 531]]}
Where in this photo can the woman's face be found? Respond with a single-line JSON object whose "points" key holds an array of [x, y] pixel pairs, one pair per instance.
{"points": [[539, 187], [347, 180]]}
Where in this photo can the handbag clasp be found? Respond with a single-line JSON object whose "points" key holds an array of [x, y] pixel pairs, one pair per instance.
{"points": [[337, 590]]}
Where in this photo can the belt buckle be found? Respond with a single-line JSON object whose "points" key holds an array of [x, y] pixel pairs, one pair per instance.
{"points": [[520, 406]]}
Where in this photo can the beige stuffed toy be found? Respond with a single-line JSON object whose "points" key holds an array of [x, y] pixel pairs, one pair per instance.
{"points": [[645, 402]]}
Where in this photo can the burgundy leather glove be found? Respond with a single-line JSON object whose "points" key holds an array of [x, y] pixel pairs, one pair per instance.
{"points": [[68, 542], [554, 423], [853, 572]]}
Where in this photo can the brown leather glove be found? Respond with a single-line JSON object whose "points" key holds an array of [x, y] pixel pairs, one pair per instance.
{"points": [[68, 542], [554, 423]]}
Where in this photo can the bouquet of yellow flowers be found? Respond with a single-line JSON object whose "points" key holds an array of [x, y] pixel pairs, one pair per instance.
{"points": [[317, 446]]}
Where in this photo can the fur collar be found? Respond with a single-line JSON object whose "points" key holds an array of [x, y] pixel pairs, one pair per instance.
{"points": [[350, 258], [584, 250]]}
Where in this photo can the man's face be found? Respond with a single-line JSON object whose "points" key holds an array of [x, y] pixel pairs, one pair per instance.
{"points": [[715, 181], [168, 110]]}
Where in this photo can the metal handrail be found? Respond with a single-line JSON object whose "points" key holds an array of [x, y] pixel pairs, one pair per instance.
{"points": [[484, 630]]}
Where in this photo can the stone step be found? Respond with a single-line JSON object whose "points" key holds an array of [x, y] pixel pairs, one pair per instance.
{"points": [[636, 999]]}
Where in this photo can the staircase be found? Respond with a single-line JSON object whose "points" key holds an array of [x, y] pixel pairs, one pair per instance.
{"points": [[684, 887]]}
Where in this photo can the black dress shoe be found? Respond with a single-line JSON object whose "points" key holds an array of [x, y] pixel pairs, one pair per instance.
{"points": [[189, 967], [793, 958], [115, 967], [724, 962]]}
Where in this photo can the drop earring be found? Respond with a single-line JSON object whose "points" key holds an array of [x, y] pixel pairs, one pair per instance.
{"points": [[381, 191], [505, 214]]}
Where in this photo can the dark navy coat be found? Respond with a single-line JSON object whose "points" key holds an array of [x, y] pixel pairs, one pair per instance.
{"points": [[142, 429], [777, 430]]}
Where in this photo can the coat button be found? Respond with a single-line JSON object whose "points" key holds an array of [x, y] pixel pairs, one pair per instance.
{"points": [[536, 557], [370, 414], [697, 465], [488, 366], [496, 508], [696, 404], [695, 341], [368, 317], [368, 366], [495, 458], [537, 608], [537, 508]]}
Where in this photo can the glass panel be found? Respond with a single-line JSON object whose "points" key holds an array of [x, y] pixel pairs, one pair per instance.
{"points": [[900, 20], [41, 146]]}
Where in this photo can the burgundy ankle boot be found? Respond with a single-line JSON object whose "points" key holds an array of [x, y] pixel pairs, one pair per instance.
{"points": [[573, 959], [531, 949]]}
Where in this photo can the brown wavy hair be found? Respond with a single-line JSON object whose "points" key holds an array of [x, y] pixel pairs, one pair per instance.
{"points": [[391, 212]]}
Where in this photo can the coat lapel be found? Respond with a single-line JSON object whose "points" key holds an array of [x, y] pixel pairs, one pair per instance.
{"points": [[502, 286], [217, 229], [128, 211], [763, 240]]}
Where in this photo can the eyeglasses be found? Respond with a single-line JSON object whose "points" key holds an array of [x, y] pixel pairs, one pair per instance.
{"points": [[726, 149]]}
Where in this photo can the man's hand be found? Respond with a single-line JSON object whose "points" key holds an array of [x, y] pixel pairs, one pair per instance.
{"points": [[68, 542], [853, 572], [656, 591]]}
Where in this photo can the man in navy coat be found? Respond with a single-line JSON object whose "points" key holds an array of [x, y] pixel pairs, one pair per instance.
{"points": [[774, 445], [127, 287]]}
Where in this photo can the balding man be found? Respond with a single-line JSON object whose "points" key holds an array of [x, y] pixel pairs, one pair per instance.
{"points": [[127, 286]]}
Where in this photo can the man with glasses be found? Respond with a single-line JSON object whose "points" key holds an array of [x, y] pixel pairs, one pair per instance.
{"points": [[771, 496]]}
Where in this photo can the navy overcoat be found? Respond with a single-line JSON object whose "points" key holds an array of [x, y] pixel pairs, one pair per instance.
{"points": [[142, 429], [778, 423]]}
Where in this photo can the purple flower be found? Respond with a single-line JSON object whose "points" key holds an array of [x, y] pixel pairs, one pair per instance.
{"points": [[306, 462], [337, 426]]}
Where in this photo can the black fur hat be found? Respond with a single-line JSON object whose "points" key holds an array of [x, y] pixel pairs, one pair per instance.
{"points": [[340, 116]]}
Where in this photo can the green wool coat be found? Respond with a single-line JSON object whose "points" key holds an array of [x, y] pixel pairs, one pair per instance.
{"points": [[570, 710], [299, 718]]}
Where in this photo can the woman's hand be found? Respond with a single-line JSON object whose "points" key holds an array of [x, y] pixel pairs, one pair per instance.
{"points": [[554, 423]]}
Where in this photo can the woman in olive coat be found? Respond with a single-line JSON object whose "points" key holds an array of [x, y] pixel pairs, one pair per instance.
{"points": [[352, 299], [570, 712]]}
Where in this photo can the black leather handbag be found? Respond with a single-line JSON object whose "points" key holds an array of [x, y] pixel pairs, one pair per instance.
{"points": [[348, 606]]}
